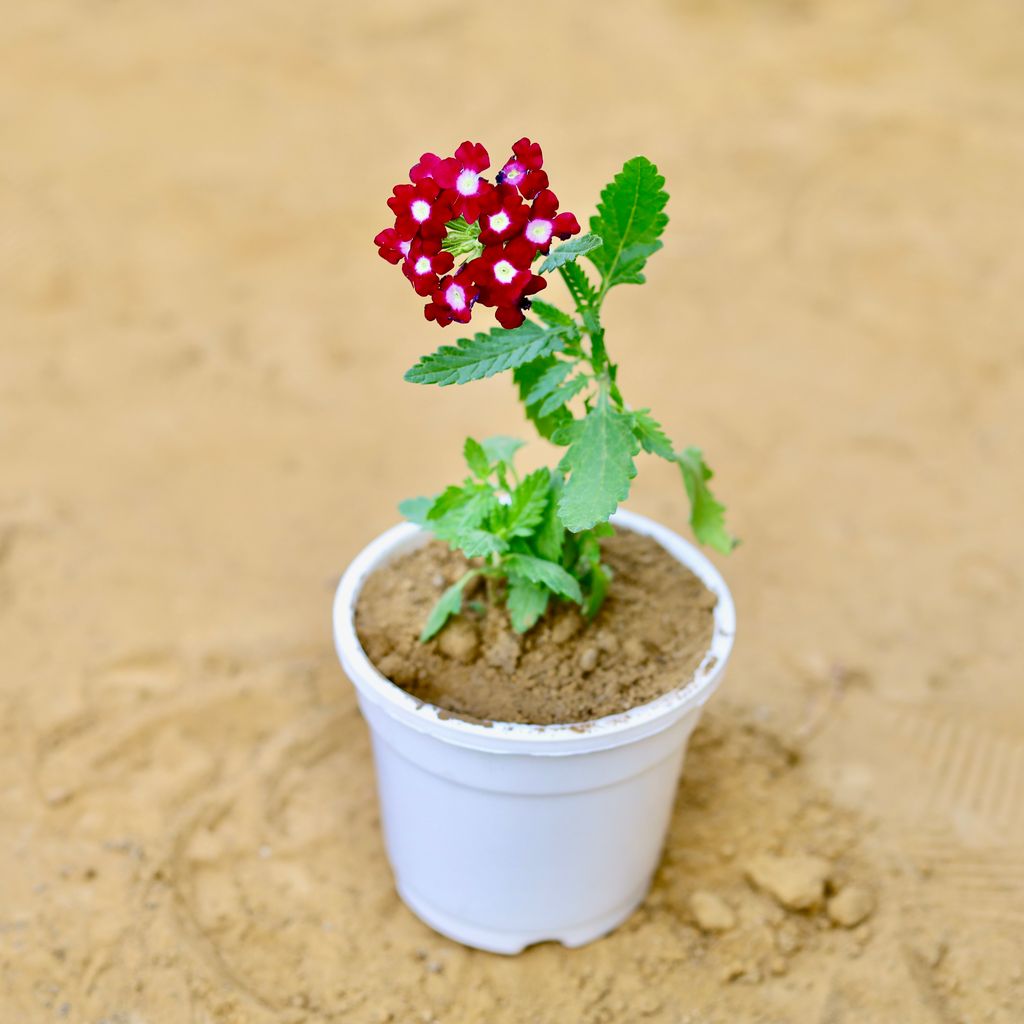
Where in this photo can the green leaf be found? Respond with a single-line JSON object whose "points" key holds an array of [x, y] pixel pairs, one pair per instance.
{"points": [[529, 500], [551, 315], [558, 398], [462, 239], [597, 590], [460, 515], [477, 543], [457, 516], [476, 458], [450, 603], [707, 516], [501, 449], [600, 466], [632, 261], [469, 503], [590, 550], [547, 574], [549, 539], [580, 288], [548, 381], [569, 251], [416, 509], [527, 602], [630, 217], [526, 378], [651, 436], [484, 355]]}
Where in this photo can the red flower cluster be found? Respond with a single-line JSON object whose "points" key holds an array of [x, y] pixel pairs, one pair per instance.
{"points": [[516, 218]]}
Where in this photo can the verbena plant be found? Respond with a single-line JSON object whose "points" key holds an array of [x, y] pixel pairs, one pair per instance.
{"points": [[536, 537]]}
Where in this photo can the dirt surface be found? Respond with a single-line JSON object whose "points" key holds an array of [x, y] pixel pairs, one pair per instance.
{"points": [[202, 419], [649, 637]]}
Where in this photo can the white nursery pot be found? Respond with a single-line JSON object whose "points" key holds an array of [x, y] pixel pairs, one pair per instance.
{"points": [[507, 834]]}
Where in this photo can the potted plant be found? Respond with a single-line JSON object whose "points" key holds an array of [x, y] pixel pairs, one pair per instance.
{"points": [[531, 661]]}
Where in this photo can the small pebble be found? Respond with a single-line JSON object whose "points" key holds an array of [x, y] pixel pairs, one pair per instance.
{"points": [[588, 659], [634, 650], [797, 882], [711, 912], [851, 906], [565, 628], [459, 641]]}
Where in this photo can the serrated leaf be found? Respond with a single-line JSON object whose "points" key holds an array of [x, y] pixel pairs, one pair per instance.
{"points": [[484, 355], [548, 381], [528, 502], [501, 448], [558, 398], [651, 436], [569, 251], [630, 217], [476, 458], [526, 378], [600, 466], [632, 262], [449, 604], [459, 512], [551, 315], [416, 509], [467, 501], [580, 288], [547, 574], [477, 543], [527, 602], [707, 516]]}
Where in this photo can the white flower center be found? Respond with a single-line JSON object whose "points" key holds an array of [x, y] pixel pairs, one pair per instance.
{"points": [[405, 247], [499, 221], [513, 172], [539, 231], [420, 210], [423, 265], [467, 182], [455, 296], [504, 271]]}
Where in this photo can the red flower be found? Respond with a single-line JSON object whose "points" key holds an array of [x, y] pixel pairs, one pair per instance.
{"points": [[420, 209], [512, 316], [545, 222], [462, 183], [391, 246], [452, 300], [511, 233], [503, 272], [523, 169], [424, 263], [432, 167], [502, 215]]}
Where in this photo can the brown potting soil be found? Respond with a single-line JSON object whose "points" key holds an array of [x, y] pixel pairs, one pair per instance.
{"points": [[649, 637]]}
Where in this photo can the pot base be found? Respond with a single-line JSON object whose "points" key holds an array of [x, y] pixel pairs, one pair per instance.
{"points": [[513, 942]]}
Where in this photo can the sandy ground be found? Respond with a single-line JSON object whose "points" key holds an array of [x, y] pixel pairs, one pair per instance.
{"points": [[202, 419]]}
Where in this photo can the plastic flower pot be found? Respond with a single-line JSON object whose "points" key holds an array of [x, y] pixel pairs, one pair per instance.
{"points": [[502, 835]]}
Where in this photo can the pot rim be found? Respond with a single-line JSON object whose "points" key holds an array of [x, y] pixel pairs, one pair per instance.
{"points": [[518, 737]]}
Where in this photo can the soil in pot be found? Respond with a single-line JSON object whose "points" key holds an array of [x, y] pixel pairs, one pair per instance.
{"points": [[648, 638]]}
